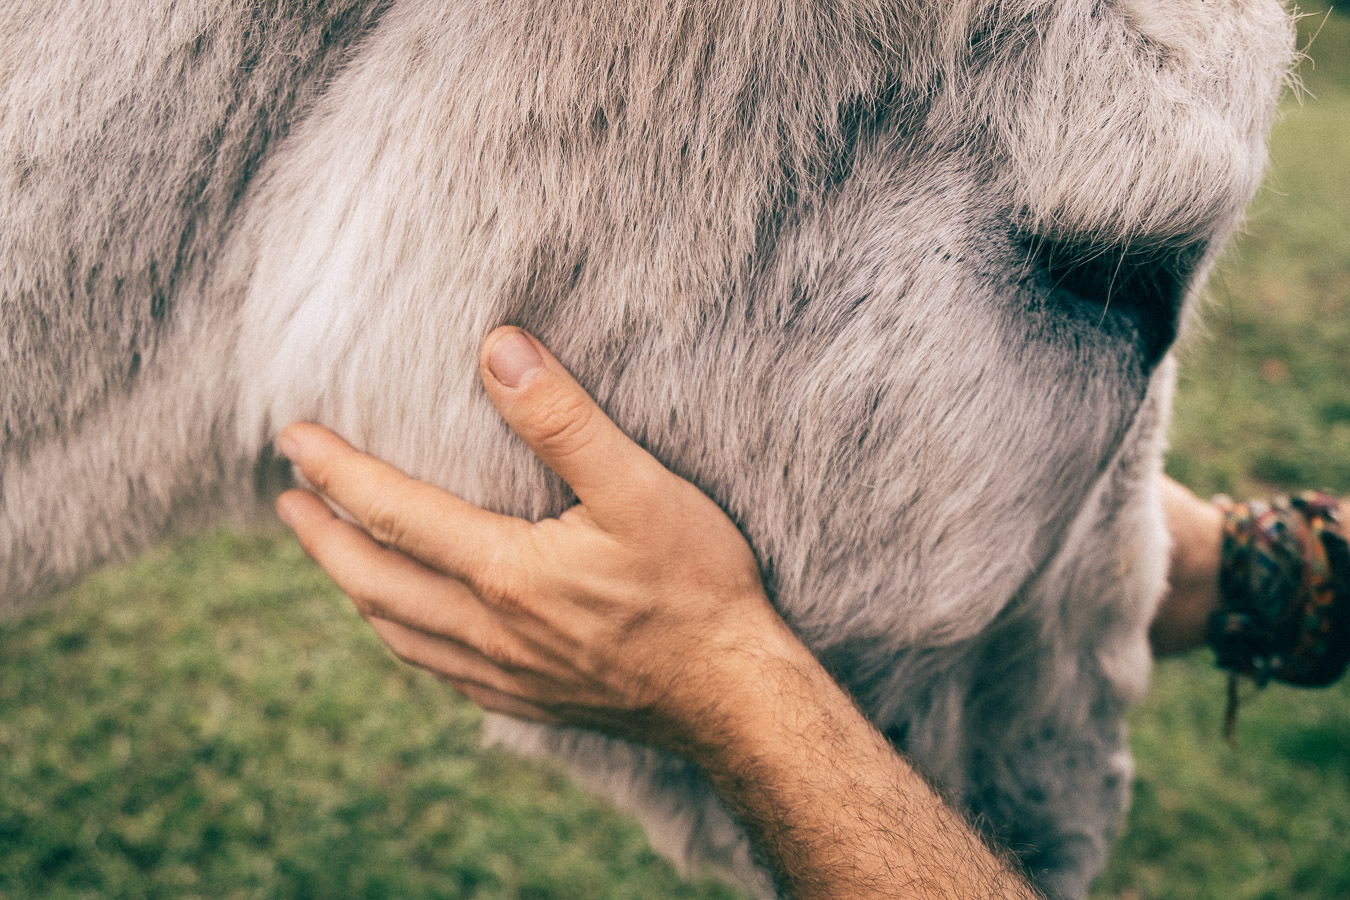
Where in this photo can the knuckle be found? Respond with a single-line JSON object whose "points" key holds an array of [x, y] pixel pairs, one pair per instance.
{"points": [[383, 523], [565, 423], [402, 649], [481, 697], [491, 584], [366, 600], [500, 651], [501, 584], [374, 598], [497, 592], [385, 519]]}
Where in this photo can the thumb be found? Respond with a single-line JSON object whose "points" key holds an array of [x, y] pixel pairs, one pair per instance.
{"points": [[554, 415]]}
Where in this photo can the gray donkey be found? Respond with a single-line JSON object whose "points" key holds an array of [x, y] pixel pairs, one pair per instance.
{"points": [[894, 281]]}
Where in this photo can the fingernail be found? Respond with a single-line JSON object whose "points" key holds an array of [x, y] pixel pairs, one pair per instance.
{"points": [[288, 446], [513, 359]]}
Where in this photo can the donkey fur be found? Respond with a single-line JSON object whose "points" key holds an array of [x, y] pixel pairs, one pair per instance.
{"points": [[892, 281]]}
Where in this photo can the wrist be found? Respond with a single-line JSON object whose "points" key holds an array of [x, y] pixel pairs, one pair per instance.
{"points": [[773, 699], [756, 680], [827, 799], [1196, 529]]}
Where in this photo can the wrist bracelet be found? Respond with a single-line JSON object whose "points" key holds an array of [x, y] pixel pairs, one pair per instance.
{"points": [[1284, 595]]}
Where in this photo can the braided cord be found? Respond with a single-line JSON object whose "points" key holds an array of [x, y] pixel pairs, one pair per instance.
{"points": [[1284, 595]]}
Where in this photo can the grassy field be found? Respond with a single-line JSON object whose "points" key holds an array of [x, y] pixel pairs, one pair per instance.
{"points": [[214, 720]]}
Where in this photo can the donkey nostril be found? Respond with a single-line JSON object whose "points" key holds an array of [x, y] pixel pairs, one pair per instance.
{"points": [[1145, 285]]}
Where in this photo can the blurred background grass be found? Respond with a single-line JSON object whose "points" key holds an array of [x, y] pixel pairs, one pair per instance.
{"points": [[214, 720]]}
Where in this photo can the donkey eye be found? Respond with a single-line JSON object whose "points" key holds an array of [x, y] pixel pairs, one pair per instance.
{"points": [[1144, 284]]}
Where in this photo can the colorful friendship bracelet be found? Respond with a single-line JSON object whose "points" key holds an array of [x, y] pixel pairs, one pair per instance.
{"points": [[1284, 595]]}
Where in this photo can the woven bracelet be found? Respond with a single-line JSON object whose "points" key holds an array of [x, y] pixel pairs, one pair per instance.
{"points": [[1284, 595]]}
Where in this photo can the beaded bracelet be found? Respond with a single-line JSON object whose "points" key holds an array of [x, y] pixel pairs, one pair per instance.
{"points": [[1284, 595]]}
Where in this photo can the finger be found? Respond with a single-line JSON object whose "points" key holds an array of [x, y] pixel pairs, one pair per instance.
{"points": [[494, 702], [380, 581], [567, 430], [423, 521], [447, 658]]}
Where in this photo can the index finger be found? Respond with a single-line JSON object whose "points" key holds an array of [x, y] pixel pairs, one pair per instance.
{"points": [[421, 520]]}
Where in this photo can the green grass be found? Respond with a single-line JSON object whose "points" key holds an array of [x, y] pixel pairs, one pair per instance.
{"points": [[214, 720]]}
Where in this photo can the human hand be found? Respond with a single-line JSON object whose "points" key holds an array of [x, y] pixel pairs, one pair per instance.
{"points": [[639, 612], [613, 615]]}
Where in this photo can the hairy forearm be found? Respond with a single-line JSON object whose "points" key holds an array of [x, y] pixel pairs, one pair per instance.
{"points": [[835, 809]]}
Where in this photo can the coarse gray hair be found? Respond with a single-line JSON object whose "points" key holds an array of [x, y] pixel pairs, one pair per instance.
{"points": [[893, 281]]}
